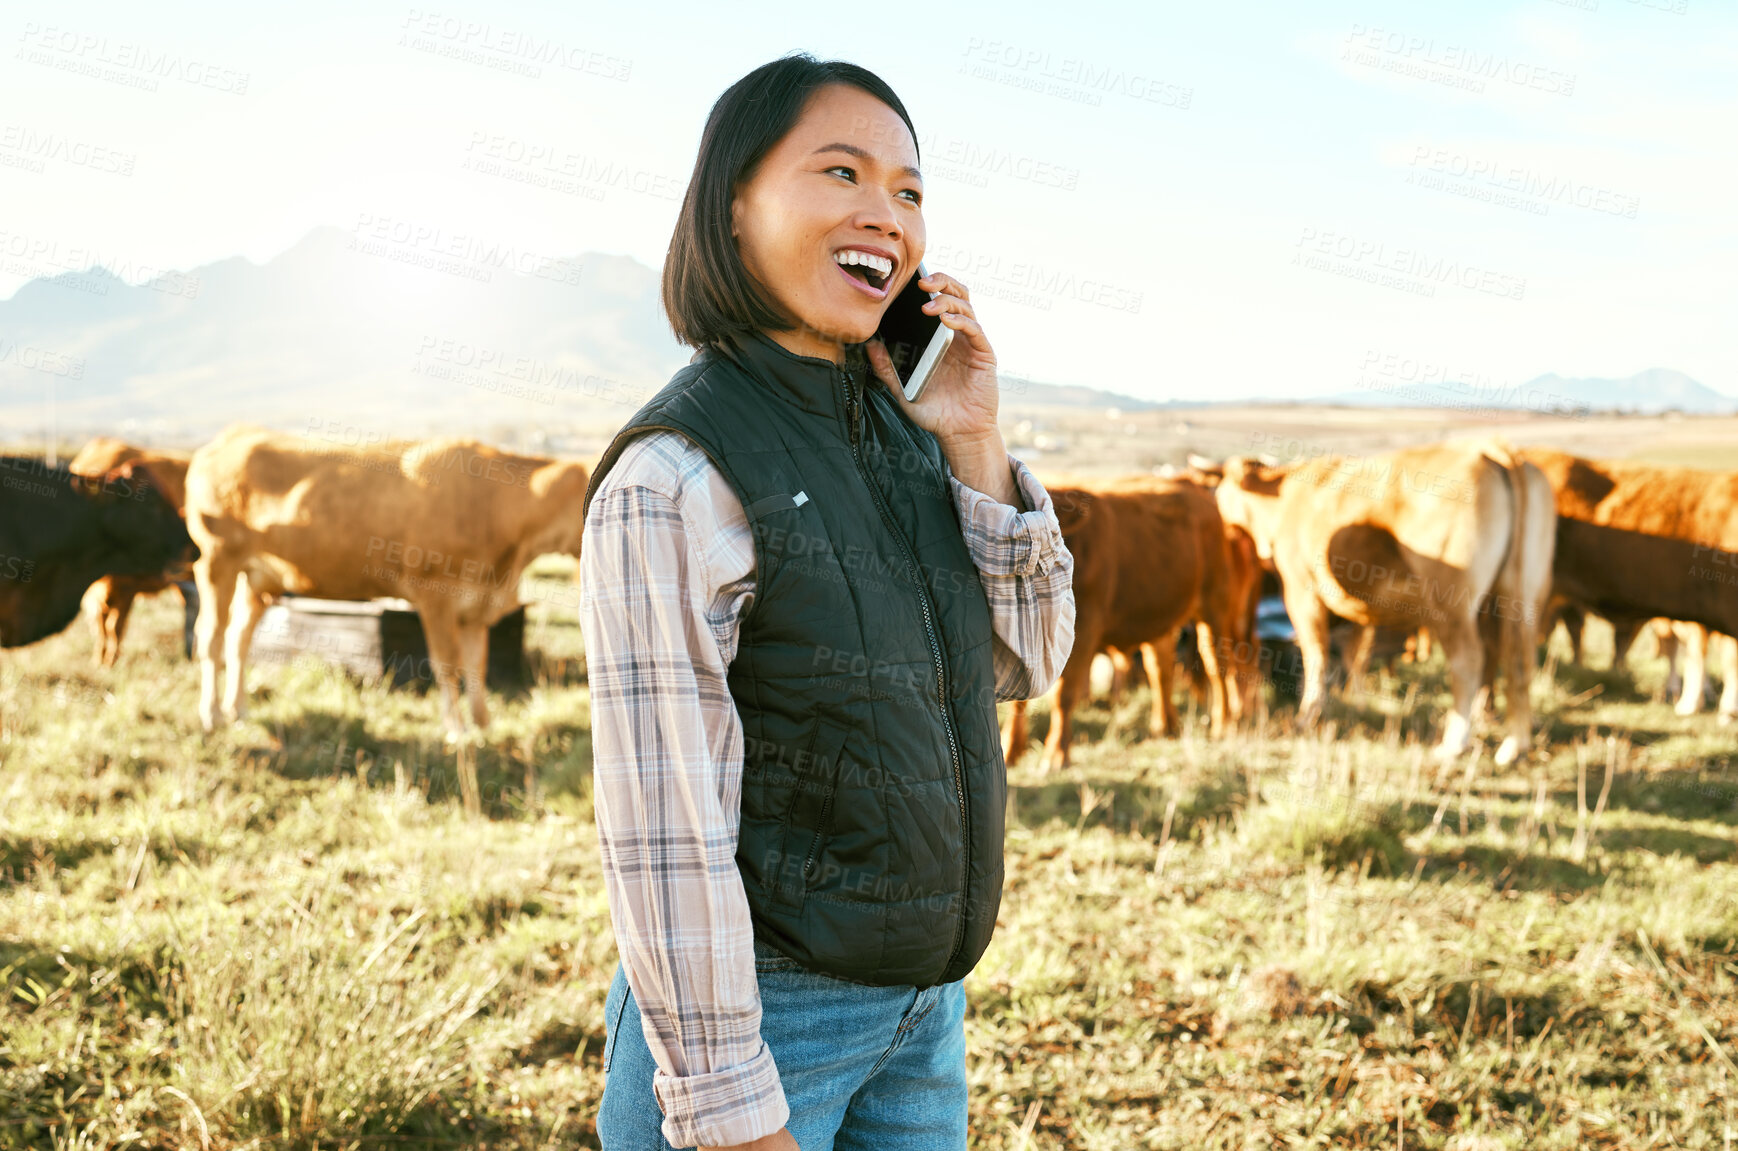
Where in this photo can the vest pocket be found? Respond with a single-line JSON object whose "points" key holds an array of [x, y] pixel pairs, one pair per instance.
{"points": [[809, 822]]}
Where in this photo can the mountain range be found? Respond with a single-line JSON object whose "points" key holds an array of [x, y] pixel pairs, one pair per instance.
{"points": [[1650, 392], [372, 333]]}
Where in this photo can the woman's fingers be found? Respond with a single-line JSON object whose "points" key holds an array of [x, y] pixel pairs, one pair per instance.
{"points": [[946, 284], [882, 365], [967, 325], [942, 305]]}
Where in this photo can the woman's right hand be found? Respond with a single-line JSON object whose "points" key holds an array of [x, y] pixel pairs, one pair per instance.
{"points": [[780, 1140]]}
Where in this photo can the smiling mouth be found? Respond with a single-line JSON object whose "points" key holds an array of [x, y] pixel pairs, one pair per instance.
{"points": [[864, 267]]}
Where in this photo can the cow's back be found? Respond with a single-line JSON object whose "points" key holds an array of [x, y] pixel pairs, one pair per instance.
{"points": [[167, 470], [1428, 498], [449, 516], [1677, 503], [1644, 540], [1144, 550]]}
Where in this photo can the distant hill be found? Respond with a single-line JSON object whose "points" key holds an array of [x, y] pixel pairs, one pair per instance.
{"points": [[1655, 390], [358, 336], [1650, 392], [1016, 391], [339, 329], [362, 336]]}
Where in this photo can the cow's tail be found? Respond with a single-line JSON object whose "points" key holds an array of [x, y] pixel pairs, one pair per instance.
{"points": [[1515, 643]]}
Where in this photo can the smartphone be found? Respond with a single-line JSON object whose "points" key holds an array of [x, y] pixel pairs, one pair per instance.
{"points": [[915, 339]]}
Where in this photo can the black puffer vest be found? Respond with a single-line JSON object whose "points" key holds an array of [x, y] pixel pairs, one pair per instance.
{"points": [[874, 789]]}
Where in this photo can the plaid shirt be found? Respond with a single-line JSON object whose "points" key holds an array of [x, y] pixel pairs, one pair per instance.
{"points": [[667, 566]]}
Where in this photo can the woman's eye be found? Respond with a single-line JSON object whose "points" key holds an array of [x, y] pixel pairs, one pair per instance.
{"points": [[850, 173], [916, 196]]}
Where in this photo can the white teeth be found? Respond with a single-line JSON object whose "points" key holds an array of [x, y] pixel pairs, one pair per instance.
{"points": [[880, 265]]}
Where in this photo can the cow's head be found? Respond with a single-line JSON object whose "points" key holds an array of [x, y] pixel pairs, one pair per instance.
{"points": [[1248, 498], [144, 533], [1205, 470]]}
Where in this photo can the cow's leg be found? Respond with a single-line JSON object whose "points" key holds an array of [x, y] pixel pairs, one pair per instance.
{"points": [[1358, 663], [1070, 692], [1015, 735], [1421, 652], [1729, 674], [1574, 621], [1231, 664], [440, 630], [1208, 642], [1666, 647], [1518, 655], [1464, 650], [1160, 657], [1072, 689], [1693, 642], [1245, 690], [1623, 632], [182, 594], [1120, 666], [95, 604], [216, 581], [474, 658], [1232, 649], [119, 607], [1309, 619], [244, 617]]}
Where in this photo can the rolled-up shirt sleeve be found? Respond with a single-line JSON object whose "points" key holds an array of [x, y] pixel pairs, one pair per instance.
{"points": [[667, 746], [1028, 576]]}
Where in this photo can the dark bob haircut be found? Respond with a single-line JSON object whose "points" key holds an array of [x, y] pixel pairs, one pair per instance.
{"points": [[708, 293]]}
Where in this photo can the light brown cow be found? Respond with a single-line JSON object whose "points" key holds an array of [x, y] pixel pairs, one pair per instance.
{"points": [[1148, 558], [109, 601], [1636, 541], [1456, 537], [447, 524]]}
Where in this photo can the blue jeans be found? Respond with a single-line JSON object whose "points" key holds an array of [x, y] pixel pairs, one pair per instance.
{"points": [[863, 1068]]}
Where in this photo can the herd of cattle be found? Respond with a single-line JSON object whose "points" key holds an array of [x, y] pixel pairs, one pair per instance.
{"points": [[1479, 547], [448, 525]]}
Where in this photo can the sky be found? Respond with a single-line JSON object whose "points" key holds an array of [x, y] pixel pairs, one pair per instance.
{"points": [[1173, 201]]}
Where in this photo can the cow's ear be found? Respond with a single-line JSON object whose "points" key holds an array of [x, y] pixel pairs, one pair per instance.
{"points": [[128, 481]]}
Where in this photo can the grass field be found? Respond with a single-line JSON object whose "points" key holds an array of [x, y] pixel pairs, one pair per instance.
{"points": [[289, 935]]}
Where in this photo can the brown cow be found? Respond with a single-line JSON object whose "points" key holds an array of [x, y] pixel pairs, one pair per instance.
{"points": [[109, 601], [1148, 558], [448, 524], [1456, 536], [1239, 650], [1636, 541], [61, 532]]}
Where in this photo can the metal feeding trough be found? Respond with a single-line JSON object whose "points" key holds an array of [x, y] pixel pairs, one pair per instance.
{"points": [[369, 638]]}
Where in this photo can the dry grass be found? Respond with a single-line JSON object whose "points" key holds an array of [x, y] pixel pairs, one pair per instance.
{"points": [[289, 936]]}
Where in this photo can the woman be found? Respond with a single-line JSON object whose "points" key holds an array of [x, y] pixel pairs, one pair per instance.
{"points": [[802, 597]]}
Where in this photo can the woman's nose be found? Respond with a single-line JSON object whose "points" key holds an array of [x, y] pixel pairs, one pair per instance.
{"points": [[878, 213]]}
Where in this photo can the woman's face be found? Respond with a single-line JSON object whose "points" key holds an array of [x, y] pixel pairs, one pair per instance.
{"points": [[841, 185]]}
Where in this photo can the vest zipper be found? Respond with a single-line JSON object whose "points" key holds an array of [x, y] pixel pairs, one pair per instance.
{"points": [[816, 841], [853, 409]]}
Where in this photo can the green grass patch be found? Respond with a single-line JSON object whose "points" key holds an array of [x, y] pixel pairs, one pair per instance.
{"points": [[289, 935]]}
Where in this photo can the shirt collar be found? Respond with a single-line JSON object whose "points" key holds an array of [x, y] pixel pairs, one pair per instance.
{"points": [[810, 382]]}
